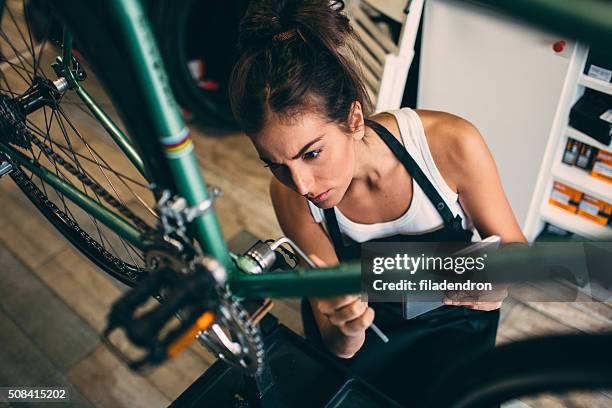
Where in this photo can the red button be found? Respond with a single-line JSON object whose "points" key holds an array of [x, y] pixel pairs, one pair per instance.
{"points": [[559, 46]]}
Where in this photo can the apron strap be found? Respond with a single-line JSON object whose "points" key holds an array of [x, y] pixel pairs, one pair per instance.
{"points": [[414, 170], [334, 232]]}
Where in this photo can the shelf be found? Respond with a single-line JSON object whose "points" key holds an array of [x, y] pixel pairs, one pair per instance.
{"points": [[584, 138], [596, 84], [582, 181], [574, 223]]}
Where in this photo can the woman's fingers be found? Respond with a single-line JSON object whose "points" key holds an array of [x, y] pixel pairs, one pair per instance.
{"points": [[477, 300], [358, 325], [349, 312], [327, 306], [484, 306]]}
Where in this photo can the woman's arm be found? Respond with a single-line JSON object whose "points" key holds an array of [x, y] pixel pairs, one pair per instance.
{"points": [[466, 163], [342, 320]]}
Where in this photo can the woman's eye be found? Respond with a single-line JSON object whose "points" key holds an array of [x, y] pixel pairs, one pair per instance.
{"points": [[312, 154]]}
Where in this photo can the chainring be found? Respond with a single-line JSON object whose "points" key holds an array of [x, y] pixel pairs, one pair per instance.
{"points": [[235, 339]]}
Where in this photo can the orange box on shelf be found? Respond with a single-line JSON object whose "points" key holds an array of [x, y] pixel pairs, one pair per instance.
{"points": [[595, 210], [565, 197], [602, 167]]}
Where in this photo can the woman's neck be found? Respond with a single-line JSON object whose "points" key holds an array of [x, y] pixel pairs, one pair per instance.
{"points": [[374, 163]]}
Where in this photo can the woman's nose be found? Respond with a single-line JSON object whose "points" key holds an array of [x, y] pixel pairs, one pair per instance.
{"points": [[301, 181]]}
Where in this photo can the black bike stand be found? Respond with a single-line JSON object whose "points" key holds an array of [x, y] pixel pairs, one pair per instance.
{"points": [[297, 376]]}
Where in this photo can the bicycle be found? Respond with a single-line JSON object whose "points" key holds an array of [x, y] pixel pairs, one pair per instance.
{"points": [[151, 210]]}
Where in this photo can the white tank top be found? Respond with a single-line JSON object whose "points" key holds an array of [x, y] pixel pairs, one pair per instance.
{"points": [[421, 217]]}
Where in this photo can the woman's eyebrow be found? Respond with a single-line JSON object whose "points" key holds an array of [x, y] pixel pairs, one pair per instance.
{"points": [[300, 153], [306, 147]]}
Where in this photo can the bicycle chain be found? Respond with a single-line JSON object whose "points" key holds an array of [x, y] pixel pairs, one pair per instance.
{"points": [[250, 358]]}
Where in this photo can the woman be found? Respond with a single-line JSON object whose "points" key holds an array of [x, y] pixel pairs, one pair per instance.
{"points": [[341, 178]]}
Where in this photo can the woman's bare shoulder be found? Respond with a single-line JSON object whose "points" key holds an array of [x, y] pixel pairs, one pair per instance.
{"points": [[452, 140]]}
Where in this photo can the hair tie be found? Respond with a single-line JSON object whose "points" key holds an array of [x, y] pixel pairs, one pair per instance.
{"points": [[285, 35]]}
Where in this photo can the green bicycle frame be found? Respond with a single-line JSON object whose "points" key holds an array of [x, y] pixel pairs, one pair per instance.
{"points": [[161, 149]]}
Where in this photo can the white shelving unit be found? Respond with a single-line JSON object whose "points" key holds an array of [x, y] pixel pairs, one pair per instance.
{"points": [[582, 181], [597, 84], [505, 78], [553, 169], [574, 223], [581, 137], [384, 61]]}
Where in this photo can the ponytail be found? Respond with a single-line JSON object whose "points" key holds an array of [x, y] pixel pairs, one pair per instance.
{"points": [[295, 57]]}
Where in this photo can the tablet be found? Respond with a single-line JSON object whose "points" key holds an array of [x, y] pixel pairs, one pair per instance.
{"points": [[415, 308]]}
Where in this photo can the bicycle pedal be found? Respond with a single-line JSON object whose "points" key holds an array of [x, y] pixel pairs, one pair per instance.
{"points": [[5, 168]]}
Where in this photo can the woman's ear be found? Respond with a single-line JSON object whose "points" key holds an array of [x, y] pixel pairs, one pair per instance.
{"points": [[356, 121]]}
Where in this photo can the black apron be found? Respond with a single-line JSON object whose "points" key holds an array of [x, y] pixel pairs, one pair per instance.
{"points": [[421, 348]]}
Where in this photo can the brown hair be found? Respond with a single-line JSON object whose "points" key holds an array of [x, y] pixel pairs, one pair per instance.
{"points": [[295, 56]]}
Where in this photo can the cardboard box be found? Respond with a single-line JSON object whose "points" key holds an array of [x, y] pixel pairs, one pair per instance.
{"points": [[602, 167], [595, 210], [565, 197]]}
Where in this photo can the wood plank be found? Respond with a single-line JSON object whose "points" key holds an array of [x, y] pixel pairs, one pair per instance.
{"points": [[91, 294], [234, 157], [174, 376], [81, 285], [238, 209], [524, 322], [580, 399], [26, 233], [25, 365], [106, 382], [564, 312], [287, 314], [51, 325]]}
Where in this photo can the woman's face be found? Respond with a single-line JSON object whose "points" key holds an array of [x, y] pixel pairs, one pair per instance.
{"points": [[311, 156]]}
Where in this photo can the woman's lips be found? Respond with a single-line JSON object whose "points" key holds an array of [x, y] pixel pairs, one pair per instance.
{"points": [[321, 197]]}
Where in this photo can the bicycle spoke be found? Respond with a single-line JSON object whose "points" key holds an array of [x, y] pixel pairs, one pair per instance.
{"points": [[27, 21], [92, 151], [66, 139], [88, 149], [17, 55], [12, 17], [15, 68]]}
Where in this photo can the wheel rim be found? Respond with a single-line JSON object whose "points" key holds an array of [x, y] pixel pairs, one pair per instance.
{"points": [[67, 140]]}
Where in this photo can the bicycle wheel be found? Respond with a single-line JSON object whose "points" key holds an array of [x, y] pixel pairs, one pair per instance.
{"points": [[55, 129], [197, 39]]}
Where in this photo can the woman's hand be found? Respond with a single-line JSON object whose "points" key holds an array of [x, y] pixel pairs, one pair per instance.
{"points": [[347, 319], [486, 300], [348, 313]]}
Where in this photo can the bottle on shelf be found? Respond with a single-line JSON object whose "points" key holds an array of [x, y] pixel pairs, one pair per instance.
{"points": [[602, 167], [570, 154], [586, 157]]}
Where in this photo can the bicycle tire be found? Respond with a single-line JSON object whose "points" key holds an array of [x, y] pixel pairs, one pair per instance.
{"points": [[176, 25], [124, 263], [558, 363]]}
